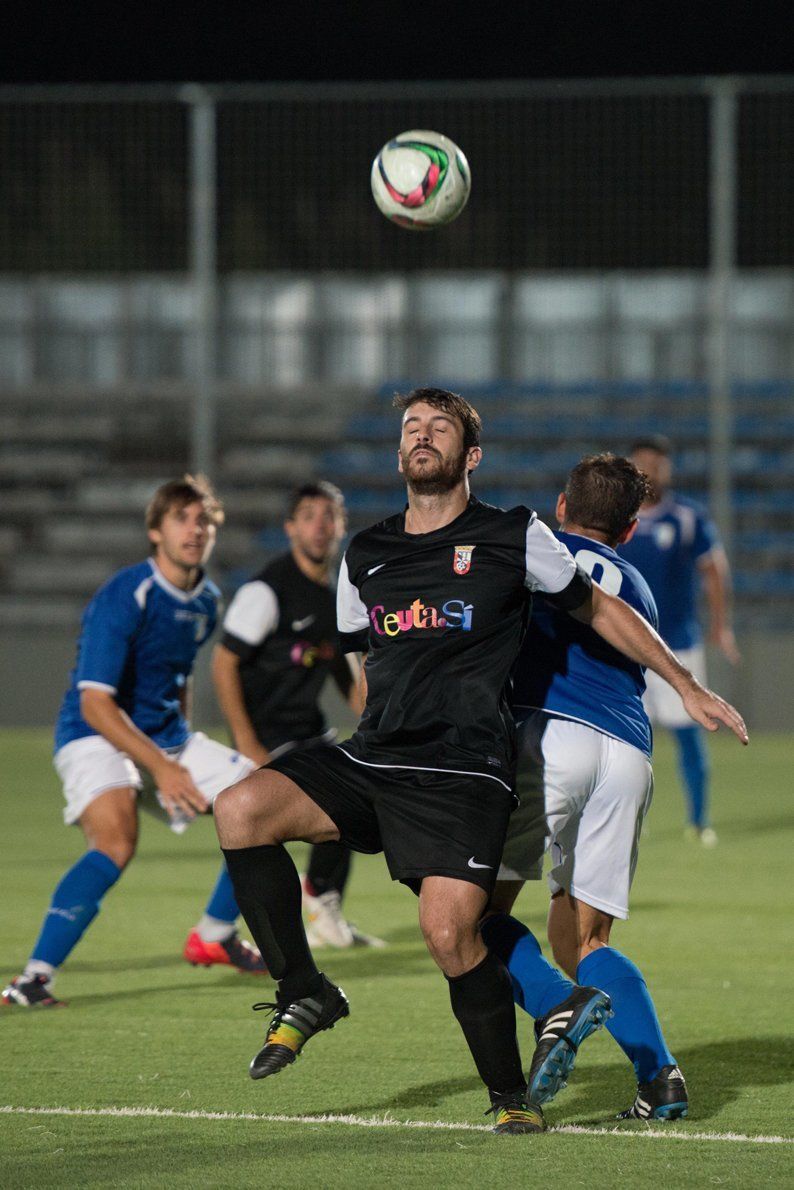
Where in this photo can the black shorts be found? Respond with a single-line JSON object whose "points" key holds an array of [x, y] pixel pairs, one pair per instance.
{"points": [[425, 823]]}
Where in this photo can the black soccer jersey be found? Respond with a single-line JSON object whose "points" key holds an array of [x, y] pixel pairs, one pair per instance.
{"points": [[282, 626], [441, 616]]}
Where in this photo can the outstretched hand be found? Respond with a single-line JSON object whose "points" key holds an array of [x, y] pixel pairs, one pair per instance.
{"points": [[178, 789], [708, 709]]}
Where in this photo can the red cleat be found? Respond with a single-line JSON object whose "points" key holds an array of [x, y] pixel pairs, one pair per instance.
{"points": [[233, 952]]}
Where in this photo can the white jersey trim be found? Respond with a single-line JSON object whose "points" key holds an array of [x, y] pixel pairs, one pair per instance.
{"points": [[549, 564], [88, 685], [351, 612], [421, 768], [253, 613], [522, 706], [177, 592], [141, 592]]}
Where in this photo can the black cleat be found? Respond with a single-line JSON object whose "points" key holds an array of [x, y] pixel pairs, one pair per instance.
{"points": [[514, 1115], [31, 993], [293, 1023], [664, 1098], [559, 1034]]}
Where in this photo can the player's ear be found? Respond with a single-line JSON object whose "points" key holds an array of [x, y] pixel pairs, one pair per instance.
{"points": [[561, 508], [473, 458], [628, 532], [399, 461]]}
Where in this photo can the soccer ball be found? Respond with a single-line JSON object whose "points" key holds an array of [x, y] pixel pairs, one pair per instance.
{"points": [[420, 180]]}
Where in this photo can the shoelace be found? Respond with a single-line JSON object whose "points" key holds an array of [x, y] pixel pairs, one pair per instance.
{"points": [[514, 1109], [278, 1011]]}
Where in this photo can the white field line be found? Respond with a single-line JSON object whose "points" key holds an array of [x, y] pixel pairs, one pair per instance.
{"points": [[168, 1113]]}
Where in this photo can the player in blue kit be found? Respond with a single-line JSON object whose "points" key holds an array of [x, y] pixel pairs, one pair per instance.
{"points": [[585, 781], [127, 706], [677, 551]]}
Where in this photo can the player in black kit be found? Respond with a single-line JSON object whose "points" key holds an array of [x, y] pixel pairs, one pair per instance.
{"points": [[437, 597], [280, 644]]}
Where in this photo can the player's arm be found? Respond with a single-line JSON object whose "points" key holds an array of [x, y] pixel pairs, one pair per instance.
{"points": [[630, 634], [101, 711], [252, 616], [347, 672], [186, 699], [352, 621], [229, 692], [715, 573], [112, 622]]}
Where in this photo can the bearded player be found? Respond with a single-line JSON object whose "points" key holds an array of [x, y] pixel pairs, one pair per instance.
{"points": [[437, 596]]}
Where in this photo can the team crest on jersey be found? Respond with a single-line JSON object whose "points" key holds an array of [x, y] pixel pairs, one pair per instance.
{"points": [[461, 563]]}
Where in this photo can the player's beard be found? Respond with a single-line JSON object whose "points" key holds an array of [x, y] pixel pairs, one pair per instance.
{"points": [[434, 480]]}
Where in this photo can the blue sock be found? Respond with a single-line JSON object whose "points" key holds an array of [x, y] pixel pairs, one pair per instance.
{"points": [[693, 766], [635, 1025], [537, 986], [74, 905], [222, 903]]}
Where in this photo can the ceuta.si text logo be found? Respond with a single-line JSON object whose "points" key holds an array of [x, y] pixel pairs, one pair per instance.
{"points": [[454, 614]]}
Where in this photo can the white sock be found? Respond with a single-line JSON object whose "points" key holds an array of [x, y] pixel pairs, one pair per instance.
{"points": [[212, 929], [38, 967]]}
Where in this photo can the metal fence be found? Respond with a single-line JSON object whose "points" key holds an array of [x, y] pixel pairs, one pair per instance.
{"points": [[191, 226]]}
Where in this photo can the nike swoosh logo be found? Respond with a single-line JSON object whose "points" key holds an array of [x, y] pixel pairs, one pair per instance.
{"points": [[299, 625], [372, 569], [472, 864]]}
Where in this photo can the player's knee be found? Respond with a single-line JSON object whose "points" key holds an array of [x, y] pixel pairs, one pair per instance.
{"points": [[245, 809], [120, 848], [446, 942]]}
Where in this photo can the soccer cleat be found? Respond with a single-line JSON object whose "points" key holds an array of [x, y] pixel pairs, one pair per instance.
{"points": [[293, 1023], [232, 952], [559, 1034], [514, 1114], [362, 939], [327, 925], [664, 1098], [35, 992], [705, 835]]}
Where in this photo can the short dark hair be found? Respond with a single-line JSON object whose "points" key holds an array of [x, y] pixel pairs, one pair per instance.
{"points": [[311, 490], [178, 493], [604, 492], [447, 402], [657, 442]]}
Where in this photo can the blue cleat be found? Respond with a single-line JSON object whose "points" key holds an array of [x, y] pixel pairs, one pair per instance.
{"points": [[559, 1034]]}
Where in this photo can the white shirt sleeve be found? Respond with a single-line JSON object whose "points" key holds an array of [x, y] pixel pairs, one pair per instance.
{"points": [[351, 613], [550, 564], [253, 613]]}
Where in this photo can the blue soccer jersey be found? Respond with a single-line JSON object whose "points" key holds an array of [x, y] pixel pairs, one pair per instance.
{"points": [[669, 542], [568, 670], [139, 639]]}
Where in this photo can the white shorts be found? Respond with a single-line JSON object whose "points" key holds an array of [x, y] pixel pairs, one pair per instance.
{"points": [[91, 766], [662, 704], [597, 791]]}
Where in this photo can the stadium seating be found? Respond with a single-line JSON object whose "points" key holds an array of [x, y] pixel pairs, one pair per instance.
{"points": [[95, 376]]}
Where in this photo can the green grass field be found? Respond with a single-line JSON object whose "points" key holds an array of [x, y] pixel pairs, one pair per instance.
{"points": [[145, 1030]]}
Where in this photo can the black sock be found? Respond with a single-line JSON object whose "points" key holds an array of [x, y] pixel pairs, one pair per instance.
{"points": [[329, 867], [268, 891], [482, 1001]]}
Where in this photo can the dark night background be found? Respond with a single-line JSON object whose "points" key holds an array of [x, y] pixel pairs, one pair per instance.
{"points": [[374, 40]]}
